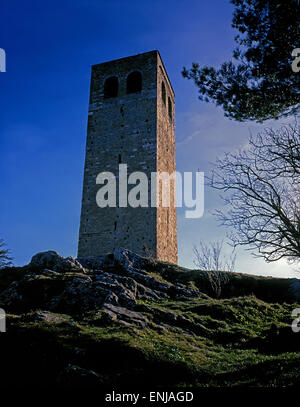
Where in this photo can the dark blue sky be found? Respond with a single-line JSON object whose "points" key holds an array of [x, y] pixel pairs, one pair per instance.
{"points": [[50, 48]]}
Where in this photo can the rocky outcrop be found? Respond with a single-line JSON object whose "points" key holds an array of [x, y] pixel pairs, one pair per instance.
{"points": [[113, 287], [122, 319], [119, 288], [53, 261], [73, 375]]}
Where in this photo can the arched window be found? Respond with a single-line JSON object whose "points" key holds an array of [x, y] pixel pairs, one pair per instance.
{"points": [[170, 108], [134, 82], [163, 92], [111, 87]]}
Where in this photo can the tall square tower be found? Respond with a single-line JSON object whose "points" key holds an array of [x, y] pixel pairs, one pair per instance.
{"points": [[130, 121]]}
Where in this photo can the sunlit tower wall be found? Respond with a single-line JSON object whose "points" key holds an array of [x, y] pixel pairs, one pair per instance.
{"points": [[130, 121]]}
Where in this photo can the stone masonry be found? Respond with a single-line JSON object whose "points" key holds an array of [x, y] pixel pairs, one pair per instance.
{"points": [[131, 121]]}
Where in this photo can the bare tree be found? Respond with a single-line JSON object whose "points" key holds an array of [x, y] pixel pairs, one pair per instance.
{"points": [[261, 191], [210, 257], [5, 258]]}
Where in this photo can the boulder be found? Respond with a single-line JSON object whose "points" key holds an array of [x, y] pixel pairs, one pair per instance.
{"points": [[53, 261], [115, 313], [98, 262], [73, 375], [45, 316]]}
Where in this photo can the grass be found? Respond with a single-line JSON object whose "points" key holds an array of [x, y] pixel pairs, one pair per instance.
{"points": [[233, 284], [233, 351], [226, 356]]}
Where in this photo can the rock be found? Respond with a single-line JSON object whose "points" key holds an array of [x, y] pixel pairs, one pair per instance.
{"points": [[112, 287], [134, 266], [97, 263], [53, 261], [68, 320], [49, 273], [129, 259], [108, 317], [178, 321], [79, 295], [33, 291], [11, 296], [73, 375], [44, 316], [112, 313], [160, 329]]}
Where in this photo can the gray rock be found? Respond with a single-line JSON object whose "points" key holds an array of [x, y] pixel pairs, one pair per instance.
{"points": [[129, 259], [73, 375], [112, 312], [62, 285], [178, 321], [96, 263], [53, 261], [134, 266], [44, 316]]}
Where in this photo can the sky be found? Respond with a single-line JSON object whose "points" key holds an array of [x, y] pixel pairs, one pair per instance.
{"points": [[50, 47]]}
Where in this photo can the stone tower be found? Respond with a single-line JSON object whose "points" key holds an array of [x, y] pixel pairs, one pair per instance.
{"points": [[130, 121]]}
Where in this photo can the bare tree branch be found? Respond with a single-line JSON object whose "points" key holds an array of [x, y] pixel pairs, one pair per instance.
{"points": [[210, 257], [261, 189]]}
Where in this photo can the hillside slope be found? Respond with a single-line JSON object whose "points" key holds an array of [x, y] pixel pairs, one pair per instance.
{"points": [[121, 319]]}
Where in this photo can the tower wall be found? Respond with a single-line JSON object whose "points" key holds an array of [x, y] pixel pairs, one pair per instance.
{"points": [[166, 228], [125, 129]]}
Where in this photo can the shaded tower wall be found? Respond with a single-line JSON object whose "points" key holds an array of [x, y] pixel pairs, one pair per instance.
{"points": [[166, 225], [128, 126]]}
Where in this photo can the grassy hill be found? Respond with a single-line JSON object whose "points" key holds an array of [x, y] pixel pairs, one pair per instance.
{"points": [[122, 319]]}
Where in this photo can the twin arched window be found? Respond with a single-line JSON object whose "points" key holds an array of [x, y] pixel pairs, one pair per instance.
{"points": [[133, 85]]}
